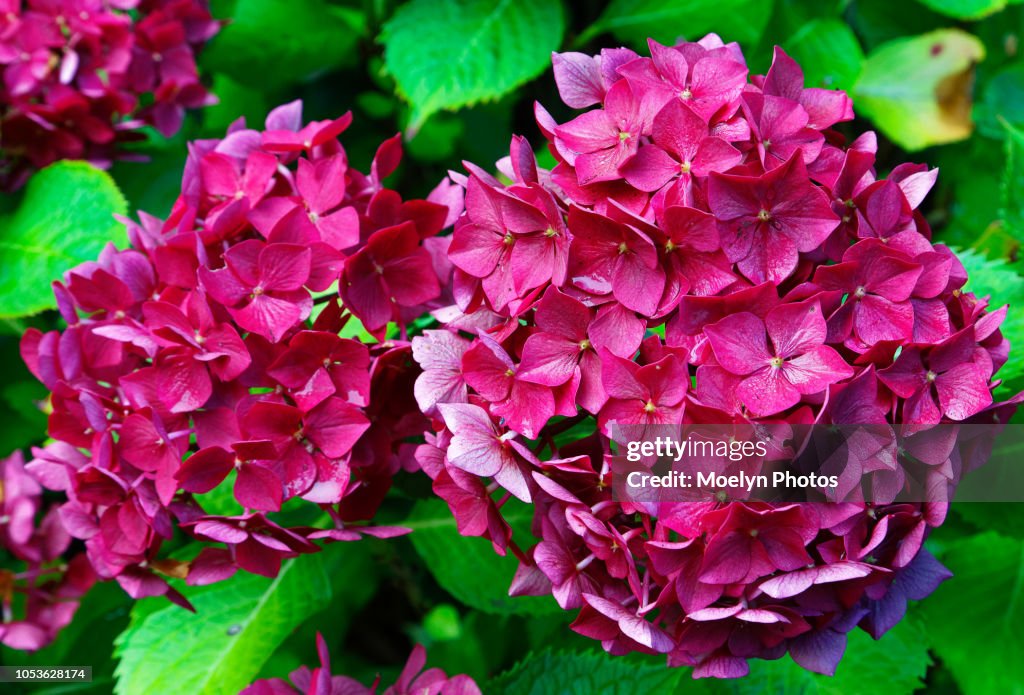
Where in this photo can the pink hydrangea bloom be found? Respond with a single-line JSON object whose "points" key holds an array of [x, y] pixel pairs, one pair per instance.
{"points": [[728, 259], [208, 355], [41, 591], [73, 76]]}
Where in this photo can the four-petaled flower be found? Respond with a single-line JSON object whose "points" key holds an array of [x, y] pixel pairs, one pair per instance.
{"points": [[775, 376]]}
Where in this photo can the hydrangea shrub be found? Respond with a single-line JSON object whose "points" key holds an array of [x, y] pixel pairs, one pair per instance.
{"points": [[41, 596], [708, 248], [80, 78], [207, 357]]}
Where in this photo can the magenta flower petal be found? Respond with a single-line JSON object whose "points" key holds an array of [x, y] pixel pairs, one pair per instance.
{"points": [[963, 391], [739, 343], [205, 469], [767, 392], [335, 426], [258, 488], [475, 446]]}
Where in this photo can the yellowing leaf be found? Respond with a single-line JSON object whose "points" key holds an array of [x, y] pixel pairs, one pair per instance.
{"points": [[918, 90]]}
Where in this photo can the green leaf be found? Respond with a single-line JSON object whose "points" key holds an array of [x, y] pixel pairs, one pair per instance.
{"points": [[878, 21], [917, 90], [443, 623], [446, 54], [995, 278], [24, 398], [634, 21], [965, 9], [234, 100], [583, 673], [237, 625], [969, 190], [484, 645], [152, 182], [1002, 102], [467, 567], [828, 52], [66, 217], [270, 44], [1012, 208], [1007, 517], [974, 619], [438, 140], [892, 665]]}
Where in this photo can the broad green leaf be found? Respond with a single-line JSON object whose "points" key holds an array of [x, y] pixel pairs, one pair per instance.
{"points": [[270, 44], [66, 217], [1005, 517], [634, 21], [917, 90], [965, 9], [233, 101], [970, 179], [446, 54], [467, 567], [974, 619], [828, 52], [583, 673], [1002, 102], [894, 665], [994, 277], [879, 21], [790, 17], [438, 140], [152, 182], [1012, 191], [222, 646]]}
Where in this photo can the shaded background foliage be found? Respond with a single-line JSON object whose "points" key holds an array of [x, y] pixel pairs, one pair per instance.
{"points": [[942, 81]]}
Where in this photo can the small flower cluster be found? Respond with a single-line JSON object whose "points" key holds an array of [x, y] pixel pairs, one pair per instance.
{"points": [[708, 249], [319, 681], [41, 596], [191, 361], [77, 77]]}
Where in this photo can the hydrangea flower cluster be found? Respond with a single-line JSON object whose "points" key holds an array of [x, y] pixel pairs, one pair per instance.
{"points": [[40, 595], [707, 249], [411, 681], [192, 361], [81, 76]]}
